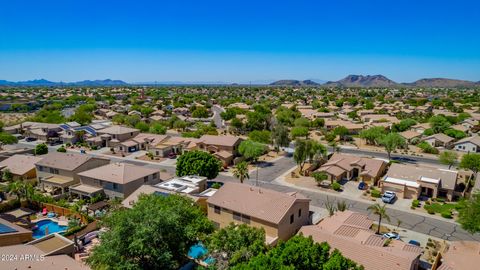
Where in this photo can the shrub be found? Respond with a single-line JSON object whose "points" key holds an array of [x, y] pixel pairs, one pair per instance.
{"points": [[415, 203], [61, 149], [447, 214], [336, 186], [94, 147], [376, 193], [442, 200]]}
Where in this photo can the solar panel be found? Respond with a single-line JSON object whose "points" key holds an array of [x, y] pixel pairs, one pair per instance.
{"points": [[159, 193], [5, 229], [65, 127], [87, 129]]}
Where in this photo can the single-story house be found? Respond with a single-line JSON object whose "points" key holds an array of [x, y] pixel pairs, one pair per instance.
{"points": [[440, 140], [469, 144], [21, 166]]}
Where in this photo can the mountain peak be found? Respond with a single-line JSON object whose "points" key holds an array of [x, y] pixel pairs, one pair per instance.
{"points": [[363, 81]]}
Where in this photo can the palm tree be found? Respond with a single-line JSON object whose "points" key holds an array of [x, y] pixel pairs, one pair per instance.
{"points": [[16, 188], [381, 211], [241, 171]]}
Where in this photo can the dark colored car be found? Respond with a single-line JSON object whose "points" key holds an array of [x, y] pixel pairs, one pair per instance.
{"points": [[30, 139], [172, 155], [55, 143], [414, 242], [362, 186]]}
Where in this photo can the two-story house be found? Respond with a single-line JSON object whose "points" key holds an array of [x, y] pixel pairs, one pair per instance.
{"points": [[57, 171], [280, 214], [116, 180]]}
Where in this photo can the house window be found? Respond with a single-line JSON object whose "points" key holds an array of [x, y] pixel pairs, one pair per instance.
{"points": [[217, 209], [56, 171], [292, 218], [237, 216], [145, 179], [299, 212], [51, 170], [115, 186], [246, 219], [131, 133], [155, 175], [40, 168]]}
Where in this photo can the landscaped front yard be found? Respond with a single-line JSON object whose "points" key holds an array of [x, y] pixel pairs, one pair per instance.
{"points": [[444, 209]]}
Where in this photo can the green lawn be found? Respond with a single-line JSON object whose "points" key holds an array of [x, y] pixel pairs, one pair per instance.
{"points": [[440, 207]]}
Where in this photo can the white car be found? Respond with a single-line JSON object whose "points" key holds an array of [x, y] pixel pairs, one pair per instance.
{"points": [[392, 235], [389, 197]]}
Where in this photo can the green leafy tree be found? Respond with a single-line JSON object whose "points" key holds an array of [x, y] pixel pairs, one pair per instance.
{"points": [[280, 137], [320, 177], [7, 175], [297, 132], [318, 123], [405, 124], [200, 112], [16, 188], [448, 158], [158, 128], [391, 142], [381, 212], [373, 135], [240, 171], [469, 213], [341, 131], [41, 149], [236, 244], [6, 138], [155, 234], [300, 252], [439, 123], [302, 122], [308, 150], [261, 136], [142, 126], [471, 162], [198, 163], [252, 150]]}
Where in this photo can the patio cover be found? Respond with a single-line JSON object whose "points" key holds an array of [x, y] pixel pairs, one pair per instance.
{"points": [[58, 181], [86, 190]]}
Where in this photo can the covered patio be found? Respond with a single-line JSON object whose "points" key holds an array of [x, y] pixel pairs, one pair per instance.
{"points": [[56, 182], [85, 190]]}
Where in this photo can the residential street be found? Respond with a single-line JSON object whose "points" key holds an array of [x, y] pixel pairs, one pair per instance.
{"points": [[270, 171]]}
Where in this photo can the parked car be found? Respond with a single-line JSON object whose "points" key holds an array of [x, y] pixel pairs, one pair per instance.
{"points": [[53, 143], [392, 235], [362, 185], [30, 139], [414, 242], [389, 197], [404, 159], [172, 155]]}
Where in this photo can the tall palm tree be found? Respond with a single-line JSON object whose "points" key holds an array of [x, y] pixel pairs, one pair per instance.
{"points": [[241, 171], [381, 212]]}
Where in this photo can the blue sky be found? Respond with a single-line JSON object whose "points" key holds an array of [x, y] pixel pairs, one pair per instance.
{"points": [[238, 41]]}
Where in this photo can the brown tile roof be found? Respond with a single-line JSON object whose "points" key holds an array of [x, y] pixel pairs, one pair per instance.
{"points": [[261, 203], [474, 139], [440, 137], [340, 163], [20, 164], [119, 173], [464, 255], [117, 130], [64, 161], [410, 134], [220, 140], [448, 178], [349, 233]]}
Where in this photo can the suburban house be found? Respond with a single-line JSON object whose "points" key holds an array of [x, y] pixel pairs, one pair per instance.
{"points": [[116, 180], [440, 140], [112, 136], [40, 131], [410, 182], [421, 127], [463, 255], [281, 215], [350, 233], [469, 144], [342, 166], [193, 187], [353, 128], [379, 118], [410, 135], [21, 166], [58, 171], [224, 148], [175, 145]]}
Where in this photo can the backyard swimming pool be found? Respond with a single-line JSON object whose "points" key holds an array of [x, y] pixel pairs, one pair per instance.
{"points": [[52, 226]]}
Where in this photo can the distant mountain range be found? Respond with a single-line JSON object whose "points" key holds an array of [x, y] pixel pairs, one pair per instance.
{"points": [[43, 82], [381, 81], [349, 81]]}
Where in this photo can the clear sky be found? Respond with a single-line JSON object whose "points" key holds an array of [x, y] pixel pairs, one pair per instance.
{"points": [[238, 40]]}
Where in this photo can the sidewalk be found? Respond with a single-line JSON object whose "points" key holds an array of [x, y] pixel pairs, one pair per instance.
{"points": [[281, 181]]}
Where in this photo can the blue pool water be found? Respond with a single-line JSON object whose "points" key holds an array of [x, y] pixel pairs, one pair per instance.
{"points": [[197, 251], [52, 226]]}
